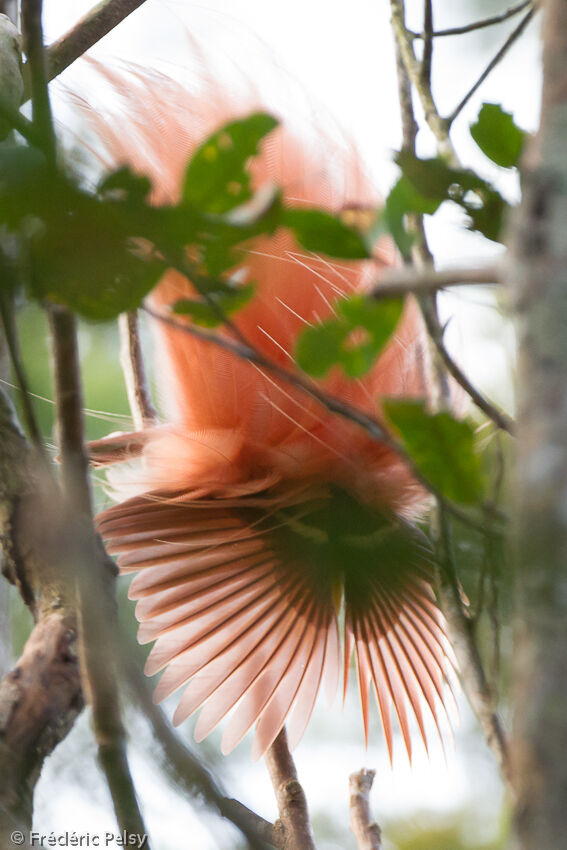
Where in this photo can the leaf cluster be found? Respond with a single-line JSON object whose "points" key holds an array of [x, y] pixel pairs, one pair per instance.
{"points": [[425, 184], [100, 253]]}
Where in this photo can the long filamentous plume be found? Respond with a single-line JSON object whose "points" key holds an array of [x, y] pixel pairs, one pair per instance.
{"points": [[254, 515]]}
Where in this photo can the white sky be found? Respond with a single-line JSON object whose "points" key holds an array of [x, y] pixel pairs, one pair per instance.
{"points": [[341, 55]]}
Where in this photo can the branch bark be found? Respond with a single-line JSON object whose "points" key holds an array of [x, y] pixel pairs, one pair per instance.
{"points": [[187, 771], [293, 830], [538, 278], [364, 828], [41, 697], [428, 280], [39, 701], [94, 581], [135, 378], [97, 23]]}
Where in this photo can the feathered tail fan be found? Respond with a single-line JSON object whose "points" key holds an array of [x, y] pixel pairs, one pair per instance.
{"points": [[255, 511]]}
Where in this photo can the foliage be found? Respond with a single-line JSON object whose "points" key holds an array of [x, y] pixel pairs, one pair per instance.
{"points": [[127, 243], [441, 447], [425, 184]]}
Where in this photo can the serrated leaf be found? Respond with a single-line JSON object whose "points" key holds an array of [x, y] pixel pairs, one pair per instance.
{"points": [[498, 137], [324, 233], [216, 179], [441, 447]]}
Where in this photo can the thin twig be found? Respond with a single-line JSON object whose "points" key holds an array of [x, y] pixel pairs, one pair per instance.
{"points": [[461, 627], [19, 122], [429, 280], [425, 73], [135, 378], [500, 419], [409, 124], [187, 770], [96, 645], [478, 25], [463, 638], [97, 23], [421, 252], [69, 409], [404, 40], [363, 826], [11, 336], [33, 46], [512, 38], [292, 803]]}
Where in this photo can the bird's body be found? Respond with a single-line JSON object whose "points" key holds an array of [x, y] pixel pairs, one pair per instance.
{"points": [[254, 514]]}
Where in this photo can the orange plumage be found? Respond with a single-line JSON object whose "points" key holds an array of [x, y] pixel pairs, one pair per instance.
{"points": [[254, 510]]}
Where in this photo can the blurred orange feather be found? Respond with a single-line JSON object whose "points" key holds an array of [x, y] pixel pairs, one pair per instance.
{"points": [[254, 511]]}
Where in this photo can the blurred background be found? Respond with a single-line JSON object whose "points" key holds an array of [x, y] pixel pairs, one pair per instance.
{"points": [[332, 63]]}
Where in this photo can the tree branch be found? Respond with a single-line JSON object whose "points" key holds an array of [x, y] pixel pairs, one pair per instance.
{"points": [[39, 702], [296, 832], [485, 22], [94, 580], [11, 336], [471, 668], [19, 122], [187, 771], [425, 71], [538, 278], [427, 280], [404, 40], [133, 369], [512, 38], [498, 417], [40, 699], [91, 28], [365, 829], [33, 46]]}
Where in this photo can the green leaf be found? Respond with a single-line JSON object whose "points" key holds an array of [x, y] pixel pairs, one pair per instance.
{"points": [[26, 184], [434, 178], [404, 199], [216, 179], [222, 241], [498, 137], [318, 348], [488, 217], [323, 233], [225, 300], [87, 257], [352, 340], [124, 183], [436, 181], [441, 447]]}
